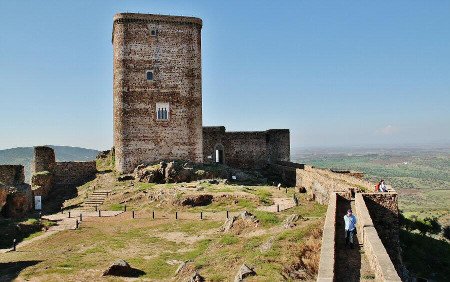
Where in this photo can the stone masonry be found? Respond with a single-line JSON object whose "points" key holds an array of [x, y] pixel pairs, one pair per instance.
{"points": [[157, 66], [248, 149], [170, 47]]}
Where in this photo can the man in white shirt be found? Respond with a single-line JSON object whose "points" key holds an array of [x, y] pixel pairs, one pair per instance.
{"points": [[350, 227]]}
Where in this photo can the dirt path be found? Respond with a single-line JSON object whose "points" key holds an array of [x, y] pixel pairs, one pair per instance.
{"points": [[351, 264]]}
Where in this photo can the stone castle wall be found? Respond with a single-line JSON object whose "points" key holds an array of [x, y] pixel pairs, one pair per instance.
{"points": [[174, 56], [12, 174], [246, 149], [74, 173], [383, 209], [44, 159]]}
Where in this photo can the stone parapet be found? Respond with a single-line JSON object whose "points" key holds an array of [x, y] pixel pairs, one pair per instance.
{"points": [[328, 249]]}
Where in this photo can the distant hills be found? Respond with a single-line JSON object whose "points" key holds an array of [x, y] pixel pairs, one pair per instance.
{"points": [[24, 156]]}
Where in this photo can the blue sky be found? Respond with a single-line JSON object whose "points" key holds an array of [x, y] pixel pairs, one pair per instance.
{"points": [[337, 73]]}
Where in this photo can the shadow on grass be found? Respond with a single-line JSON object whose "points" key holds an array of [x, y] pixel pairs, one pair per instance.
{"points": [[425, 256], [10, 270]]}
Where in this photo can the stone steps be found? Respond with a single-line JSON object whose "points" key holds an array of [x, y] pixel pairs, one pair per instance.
{"points": [[97, 198]]}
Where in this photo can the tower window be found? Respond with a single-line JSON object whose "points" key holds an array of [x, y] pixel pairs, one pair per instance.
{"points": [[162, 111], [149, 75], [154, 32]]}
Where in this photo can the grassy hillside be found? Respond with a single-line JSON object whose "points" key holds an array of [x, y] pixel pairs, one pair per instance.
{"points": [[24, 156]]}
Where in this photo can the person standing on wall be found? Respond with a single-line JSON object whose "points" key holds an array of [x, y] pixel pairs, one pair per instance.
{"points": [[350, 228], [383, 187]]}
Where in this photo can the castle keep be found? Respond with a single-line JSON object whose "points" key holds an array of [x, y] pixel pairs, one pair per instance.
{"points": [[158, 100]]}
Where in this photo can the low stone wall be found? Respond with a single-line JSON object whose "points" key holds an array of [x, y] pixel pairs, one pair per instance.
{"points": [[328, 249], [12, 174], [74, 173], [383, 210], [375, 251], [321, 183]]}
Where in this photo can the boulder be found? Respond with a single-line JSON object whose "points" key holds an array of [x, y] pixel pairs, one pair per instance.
{"points": [[244, 272], [150, 173], [122, 268], [197, 200]]}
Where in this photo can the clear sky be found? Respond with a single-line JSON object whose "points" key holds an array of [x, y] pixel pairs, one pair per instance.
{"points": [[337, 73]]}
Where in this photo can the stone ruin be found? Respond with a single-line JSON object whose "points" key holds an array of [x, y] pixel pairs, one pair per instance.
{"points": [[17, 197]]}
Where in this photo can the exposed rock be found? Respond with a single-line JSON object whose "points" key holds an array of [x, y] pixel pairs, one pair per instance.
{"points": [[291, 220], [196, 277], [245, 215], [228, 224], [149, 174], [244, 272], [122, 268], [197, 200], [267, 245]]}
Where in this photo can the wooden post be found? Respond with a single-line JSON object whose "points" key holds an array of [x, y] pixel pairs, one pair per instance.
{"points": [[286, 190], [227, 215], [201, 215], [14, 244], [153, 214], [81, 217], [176, 215], [96, 207], [278, 208], [125, 208], [69, 214], [132, 214], [76, 224], [99, 213]]}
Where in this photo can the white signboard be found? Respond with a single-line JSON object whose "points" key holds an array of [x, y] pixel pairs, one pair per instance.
{"points": [[37, 202]]}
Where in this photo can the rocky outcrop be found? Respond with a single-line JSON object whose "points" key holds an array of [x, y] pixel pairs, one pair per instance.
{"points": [[291, 221], [122, 268], [244, 272], [196, 277]]}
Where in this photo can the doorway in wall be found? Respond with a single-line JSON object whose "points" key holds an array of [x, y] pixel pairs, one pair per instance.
{"points": [[218, 150]]}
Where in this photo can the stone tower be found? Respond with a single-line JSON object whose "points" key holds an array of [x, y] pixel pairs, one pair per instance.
{"points": [[157, 89]]}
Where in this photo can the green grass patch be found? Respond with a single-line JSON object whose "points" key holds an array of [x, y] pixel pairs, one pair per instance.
{"points": [[267, 219], [228, 239]]}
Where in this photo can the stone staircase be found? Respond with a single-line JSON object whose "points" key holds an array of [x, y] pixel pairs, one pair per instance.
{"points": [[97, 198]]}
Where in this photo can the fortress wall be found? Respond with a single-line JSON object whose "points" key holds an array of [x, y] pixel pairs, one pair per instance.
{"points": [[320, 183], [12, 174], [278, 145], [328, 249], [375, 250], [246, 149], [383, 209], [74, 173], [44, 159]]}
